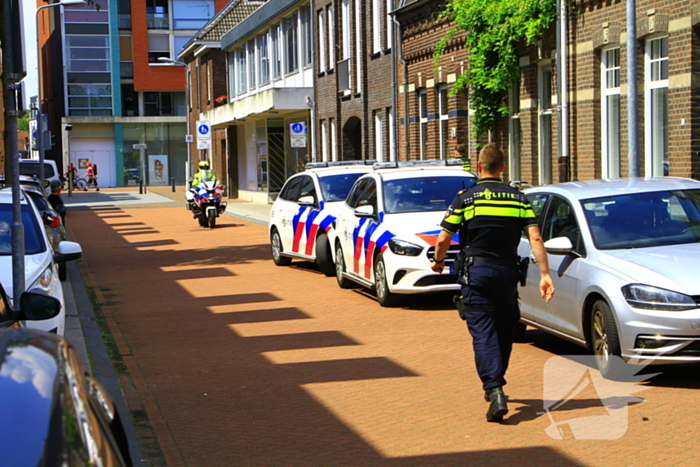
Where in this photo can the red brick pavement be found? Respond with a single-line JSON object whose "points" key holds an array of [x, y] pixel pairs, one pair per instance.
{"points": [[238, 362]]}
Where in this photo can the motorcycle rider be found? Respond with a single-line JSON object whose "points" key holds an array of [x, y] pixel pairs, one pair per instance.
{"points": [[204, 174]]}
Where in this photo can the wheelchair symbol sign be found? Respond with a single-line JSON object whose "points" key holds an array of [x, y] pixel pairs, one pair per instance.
{"points": [[203, 129], [298, 129]]}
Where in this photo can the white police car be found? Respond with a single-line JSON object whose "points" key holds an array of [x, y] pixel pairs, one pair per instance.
{"points": [[385, 234], [305, 209], [40, 261]]}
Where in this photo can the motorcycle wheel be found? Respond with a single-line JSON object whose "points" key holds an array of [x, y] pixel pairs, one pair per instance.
{"points": [[202, 221], [211, 219]]}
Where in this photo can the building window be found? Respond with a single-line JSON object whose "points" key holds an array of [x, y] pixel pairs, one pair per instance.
{"points": [[334, 142], [88, 54], [444, 115], [292, 43], [376, 26], [306, 37], [345, 29], [544, 78], [158, 46], [241, 68], [277, 51], [610, 96], [321, 42], [389, 24], [358, 44], [423, 122], [324, 141], [656, 87], [514, 134], [264, 59], [163, 103], [192, 14], [210, 81], [378, 141], [392, 143], [251, 65], [89, 100], [157, 16], [331, 38]]}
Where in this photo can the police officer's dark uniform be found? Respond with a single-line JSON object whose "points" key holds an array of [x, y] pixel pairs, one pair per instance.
{"points": [[490, 217]]}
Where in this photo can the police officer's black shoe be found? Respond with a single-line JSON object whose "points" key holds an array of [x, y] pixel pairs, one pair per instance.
{"points": [[498, 407]]}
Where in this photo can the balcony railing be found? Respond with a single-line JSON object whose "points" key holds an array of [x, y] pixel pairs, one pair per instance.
{"points": [[158, 22]]}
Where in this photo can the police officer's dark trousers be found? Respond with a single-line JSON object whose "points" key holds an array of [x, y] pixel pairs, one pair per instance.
{"points": [[491, 298]]}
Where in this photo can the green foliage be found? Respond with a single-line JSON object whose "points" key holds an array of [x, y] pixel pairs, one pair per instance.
{"points": [[23, 122], [494, 29]]}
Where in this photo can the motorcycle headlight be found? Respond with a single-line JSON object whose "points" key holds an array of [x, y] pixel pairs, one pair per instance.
{"points": [[654, 298], [45, 281], [403, 248]]}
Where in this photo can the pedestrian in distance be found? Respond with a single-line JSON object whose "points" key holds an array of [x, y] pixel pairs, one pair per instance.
{"points": [[490, 217], [91, 175], [462, 152], [55, 199]]}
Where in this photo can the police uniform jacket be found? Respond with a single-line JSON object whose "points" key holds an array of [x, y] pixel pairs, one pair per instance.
{"points": [[490, 217]]}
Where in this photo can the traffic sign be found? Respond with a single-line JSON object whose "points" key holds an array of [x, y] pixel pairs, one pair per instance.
{"points": [[189, 138], [297, 135], [203, 129]]}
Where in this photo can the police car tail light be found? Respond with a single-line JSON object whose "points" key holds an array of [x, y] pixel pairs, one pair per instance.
{"points": [[403, 248], [44, 281], [654, 298]]}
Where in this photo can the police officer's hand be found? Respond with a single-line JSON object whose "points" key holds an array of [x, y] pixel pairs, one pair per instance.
{"points": [[437, 267], [546, 287]]}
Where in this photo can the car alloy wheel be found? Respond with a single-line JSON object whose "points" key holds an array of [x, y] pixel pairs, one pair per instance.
{"points": [[381, 285], [605, 342], [276, 245], [343, 282]]}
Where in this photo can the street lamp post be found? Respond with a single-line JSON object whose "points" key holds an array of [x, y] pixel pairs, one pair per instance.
{"points": [[187, 110], [40, 114]]}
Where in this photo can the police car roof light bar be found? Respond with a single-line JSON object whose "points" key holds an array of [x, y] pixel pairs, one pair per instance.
{"points": [[316, 165]]}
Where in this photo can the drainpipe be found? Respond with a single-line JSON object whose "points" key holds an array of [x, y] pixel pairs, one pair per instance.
{"points": [[632, 116], [399, 49], [312, 25], [394, 99], [563, 93]]}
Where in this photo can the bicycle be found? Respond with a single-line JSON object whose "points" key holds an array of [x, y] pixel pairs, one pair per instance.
{"points": [[79, 183]]}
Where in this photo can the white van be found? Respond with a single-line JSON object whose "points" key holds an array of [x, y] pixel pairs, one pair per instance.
{"points": [[31, 167]]}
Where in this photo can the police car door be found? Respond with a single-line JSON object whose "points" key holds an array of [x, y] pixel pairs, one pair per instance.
{"points": [[305, 234], [287, 209], [562, 313], [347, 224], [530, 293]]}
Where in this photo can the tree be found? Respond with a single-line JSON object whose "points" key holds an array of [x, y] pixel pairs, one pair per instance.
{"points": [[494, 30], [23, 122]]}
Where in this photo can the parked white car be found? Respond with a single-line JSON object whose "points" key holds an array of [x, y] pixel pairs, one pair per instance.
{"points": [[30, 167], [40, 261], [305, 209], [624, 257], [385, 234]]}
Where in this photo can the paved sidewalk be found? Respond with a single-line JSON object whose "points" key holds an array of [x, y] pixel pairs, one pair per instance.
{"points": [[81, 329]]}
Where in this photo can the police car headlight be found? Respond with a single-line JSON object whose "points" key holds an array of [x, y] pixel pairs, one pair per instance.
{"points": [[400, 247], [45, 281], [654, 298]]}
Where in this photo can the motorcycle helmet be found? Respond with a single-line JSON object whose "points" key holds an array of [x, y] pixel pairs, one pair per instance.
{"points": [[204, 165]]}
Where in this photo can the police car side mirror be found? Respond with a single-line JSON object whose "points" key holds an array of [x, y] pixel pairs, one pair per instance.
{"points": [[364, 211], [559, 246], [306, 201]]}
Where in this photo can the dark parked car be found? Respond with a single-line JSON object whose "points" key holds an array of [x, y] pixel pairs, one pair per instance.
{"points": [[53, 411]]}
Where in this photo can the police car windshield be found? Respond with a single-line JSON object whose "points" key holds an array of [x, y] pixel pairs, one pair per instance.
{"points": [[640, 220], [33, 241], [423, 194], [337, 187]]}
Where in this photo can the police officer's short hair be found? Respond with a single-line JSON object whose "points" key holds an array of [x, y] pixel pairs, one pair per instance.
{"points": [[491, 158], [55, 185]]}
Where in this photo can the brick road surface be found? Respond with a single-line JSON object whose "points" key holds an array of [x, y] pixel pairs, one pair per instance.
{"points": [[237, 362]]}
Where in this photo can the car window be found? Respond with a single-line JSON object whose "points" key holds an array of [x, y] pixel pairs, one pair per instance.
{"points": [[40, 201], [290, 191], [337, 187], [369, 195], [644, 219], [421, 194], [308, 188], [560, 221], [354, 196], [32, 168], [33, 239]]}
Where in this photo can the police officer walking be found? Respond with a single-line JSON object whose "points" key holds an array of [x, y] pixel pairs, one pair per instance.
{"points": [[490, 217]]}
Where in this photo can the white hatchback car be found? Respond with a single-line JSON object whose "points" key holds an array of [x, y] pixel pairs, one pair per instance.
{"points": [[305, 209], [40, 261], [385, 234]]}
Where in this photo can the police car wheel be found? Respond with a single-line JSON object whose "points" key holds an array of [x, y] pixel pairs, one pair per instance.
{"points": [[324, 259], [276, 246], [606, 343], [381, 285], [343, 282]]}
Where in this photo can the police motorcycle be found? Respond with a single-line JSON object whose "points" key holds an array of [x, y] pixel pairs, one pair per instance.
{"points": [[204, 197]]}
